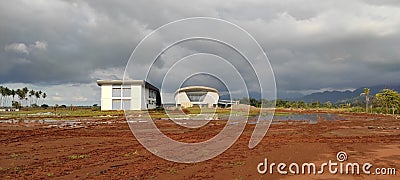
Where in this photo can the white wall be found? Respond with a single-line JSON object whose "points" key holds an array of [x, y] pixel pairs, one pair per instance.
{"points": [[181, 97], [211, 98], [136, 94], [106, 97]]}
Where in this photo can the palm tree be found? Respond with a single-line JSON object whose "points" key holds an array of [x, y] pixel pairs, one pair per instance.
{"points": [[31, 95], [8, 93], [44, 96], [25, 91], [20, 95], [37, 95], [40, 95], [2, 93], [12, 93], [366, 94]]}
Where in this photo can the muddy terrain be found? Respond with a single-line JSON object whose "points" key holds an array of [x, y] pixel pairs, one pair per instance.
{"points": [[105, 148]]}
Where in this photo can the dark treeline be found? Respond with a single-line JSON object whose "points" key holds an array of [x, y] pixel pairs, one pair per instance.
{"points": [[21, 97], [386, 101]]}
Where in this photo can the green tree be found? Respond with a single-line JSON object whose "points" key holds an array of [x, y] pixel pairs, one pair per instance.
{"points": [[3, 94], [388, 98], [8, 94], [254, 102], [328, 104], [366, 94], [13, 93], [37, 96], [16, 104], [20, 95], [294, 104], [25, 91], [31, 95], [302, 104], [44, 97]]}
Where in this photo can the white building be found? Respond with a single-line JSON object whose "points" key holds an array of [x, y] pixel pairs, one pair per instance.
{"points": [[196, 95], [128, 95]]}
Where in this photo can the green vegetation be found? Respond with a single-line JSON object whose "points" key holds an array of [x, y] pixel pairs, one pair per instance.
{"points": [[130, 153], [366, 94], [239, 178], [389, 99], [386, 101], [237, 163], [25, 97], [78, 156], [172, 171], [59, 113], [15, 155]]}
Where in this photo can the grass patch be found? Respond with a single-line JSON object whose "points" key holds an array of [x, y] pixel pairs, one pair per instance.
{"points": [[78, 156], [282, 114], [17, 169], [130, 153], [172, 171], [237, 163], [15, 155], [239, 178], [59, 113]]}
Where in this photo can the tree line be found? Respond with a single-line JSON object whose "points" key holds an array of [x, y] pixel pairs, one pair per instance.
{"points": [[21, 97], [386, 101]]}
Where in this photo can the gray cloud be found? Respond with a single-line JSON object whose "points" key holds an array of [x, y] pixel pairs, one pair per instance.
{"points": [[312, 45]]}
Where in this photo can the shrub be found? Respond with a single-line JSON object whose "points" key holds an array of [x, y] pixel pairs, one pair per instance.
{"points": [[44, 106]]}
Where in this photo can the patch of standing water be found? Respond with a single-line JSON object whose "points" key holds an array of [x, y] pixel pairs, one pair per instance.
{"points": [[50, 123], [311, 118], [279, 118]]}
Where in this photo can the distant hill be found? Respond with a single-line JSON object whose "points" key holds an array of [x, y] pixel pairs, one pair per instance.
{"points": [[343, 96]]}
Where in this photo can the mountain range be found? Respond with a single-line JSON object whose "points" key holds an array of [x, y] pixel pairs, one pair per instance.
{"points": [[343, 96]]}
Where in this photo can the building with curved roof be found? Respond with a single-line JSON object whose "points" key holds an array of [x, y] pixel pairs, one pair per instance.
{"points": [[196, 95]]}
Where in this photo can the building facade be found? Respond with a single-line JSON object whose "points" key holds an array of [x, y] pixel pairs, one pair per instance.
{"points": [[196, 95], [128, 95]]}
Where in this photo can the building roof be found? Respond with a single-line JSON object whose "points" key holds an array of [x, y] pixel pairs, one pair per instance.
{"points": [[126, 82], [197, 88]]}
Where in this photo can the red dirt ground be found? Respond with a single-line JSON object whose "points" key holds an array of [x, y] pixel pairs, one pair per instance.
{"points": [[107, 149]]}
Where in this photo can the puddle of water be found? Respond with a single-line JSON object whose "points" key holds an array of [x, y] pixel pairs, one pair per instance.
{"points": [[50, 123], [309, 117], [277, 119], [42, 114]]}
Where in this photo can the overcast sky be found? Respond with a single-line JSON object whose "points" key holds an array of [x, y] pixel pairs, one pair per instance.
{"points": [[63, 47]]}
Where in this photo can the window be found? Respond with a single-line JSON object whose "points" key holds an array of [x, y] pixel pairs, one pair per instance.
{"points": [[196, 96], [116, 104], [152, 94], [116, 92], [126, 92], [121, 97], [126, 103], [121, 91]]}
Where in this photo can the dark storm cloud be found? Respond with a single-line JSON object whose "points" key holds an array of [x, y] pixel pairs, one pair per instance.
{"points": [[312, 45], [79, 40]]}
